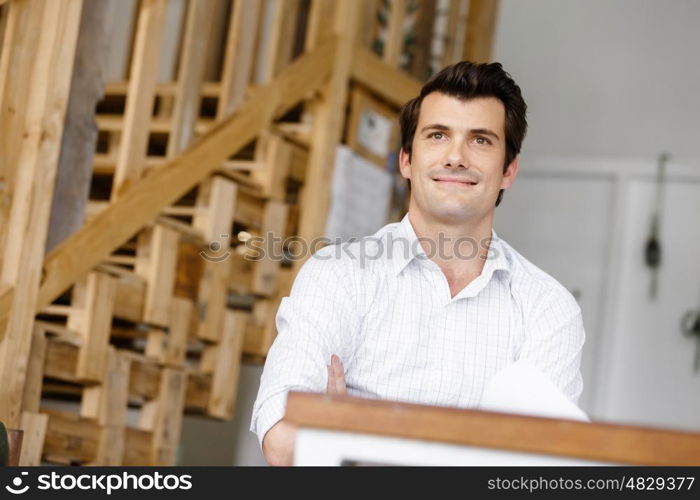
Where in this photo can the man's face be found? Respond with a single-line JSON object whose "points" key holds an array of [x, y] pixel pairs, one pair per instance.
{"points": [[456, 167]]}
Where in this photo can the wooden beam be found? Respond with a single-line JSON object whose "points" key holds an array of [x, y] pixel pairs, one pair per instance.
{"points": [[276, 155], [70, 437], [116, 224], [281, 39], [110, 447], [213, 216], [138, 447], [393, 43], [91, 317], [227, 367], [40, 130], [238, 58], [168, 423], [211, 303], [394, 86], [425, 21], [198, 392], [170, 348], [34, 426], [451, 52], [190, 75], [130, 296], [163, 89], [328, 124], [17, 71], [318, 28], [139, 102], [369, 25], [107, 403], [156, 261], [481, 26], [35, 370], [261, 330], [266, 270]]}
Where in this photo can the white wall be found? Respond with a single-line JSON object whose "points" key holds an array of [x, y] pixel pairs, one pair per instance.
{"points": [[606, 77], [609, 85]]}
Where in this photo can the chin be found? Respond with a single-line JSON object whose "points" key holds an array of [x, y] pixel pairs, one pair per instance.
{"points": [[453, 214]]}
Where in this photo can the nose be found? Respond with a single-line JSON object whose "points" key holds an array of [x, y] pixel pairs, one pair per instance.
{"points": [[456, 156]]}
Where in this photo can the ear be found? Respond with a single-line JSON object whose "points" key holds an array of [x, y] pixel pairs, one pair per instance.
{"points": [[510, 174], [404, 164]]}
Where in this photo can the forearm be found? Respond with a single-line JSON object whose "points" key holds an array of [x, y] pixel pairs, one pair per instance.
{"points": [[278, 444]]}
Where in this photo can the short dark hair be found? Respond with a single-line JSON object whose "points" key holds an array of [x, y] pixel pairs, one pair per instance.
{"points": [[466, 80]]}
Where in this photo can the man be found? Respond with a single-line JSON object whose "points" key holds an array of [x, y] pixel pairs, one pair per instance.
{"points": [[427, 310]]}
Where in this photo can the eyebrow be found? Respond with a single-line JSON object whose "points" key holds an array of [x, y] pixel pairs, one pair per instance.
{"points": [[474, 131]]}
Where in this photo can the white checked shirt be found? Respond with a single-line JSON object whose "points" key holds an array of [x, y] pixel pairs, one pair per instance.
{"points": [[401, 336]]}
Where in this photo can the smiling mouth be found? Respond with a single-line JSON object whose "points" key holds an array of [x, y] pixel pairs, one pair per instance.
{"points": [[456, 181]]}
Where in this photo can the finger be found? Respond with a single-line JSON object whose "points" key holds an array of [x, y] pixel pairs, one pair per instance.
{"points": [[339, 375], [330, 387]]}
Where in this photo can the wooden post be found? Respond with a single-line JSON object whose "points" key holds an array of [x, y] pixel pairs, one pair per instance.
{"points": [[139, 103], [228, 362], [155, 262], [318, 29], [34, 426], [190, 75], [420, 65], [481, 25], [265, 271], [107, 404], [238, 58], [328, 128], [393, 44], [215, 206], [91, 317], [170, 349], [39, 114], [450, 50], [275, 154], [35, 370], [166, 419], [281, 39]]}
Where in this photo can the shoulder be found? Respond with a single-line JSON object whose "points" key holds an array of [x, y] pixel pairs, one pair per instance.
{"points": [[357, 256], [538, 291], [352, 264]]}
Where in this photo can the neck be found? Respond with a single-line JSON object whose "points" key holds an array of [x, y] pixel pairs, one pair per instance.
{"points": [[459, 248]]}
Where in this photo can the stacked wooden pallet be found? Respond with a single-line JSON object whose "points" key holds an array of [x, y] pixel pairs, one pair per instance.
{"points": [[149, 328], [146, 311]]}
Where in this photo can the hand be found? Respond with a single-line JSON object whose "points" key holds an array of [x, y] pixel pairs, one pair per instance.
{"points": [[336, 377]]}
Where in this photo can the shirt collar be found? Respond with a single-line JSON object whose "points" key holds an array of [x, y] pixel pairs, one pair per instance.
{"points": [[405, 247]]}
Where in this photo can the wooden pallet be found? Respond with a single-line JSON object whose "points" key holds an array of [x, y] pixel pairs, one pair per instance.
{"points": [[147, 327]]}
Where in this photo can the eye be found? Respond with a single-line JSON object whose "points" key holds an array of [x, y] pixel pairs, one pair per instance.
{"points": [[482, 140], [436, 135]]}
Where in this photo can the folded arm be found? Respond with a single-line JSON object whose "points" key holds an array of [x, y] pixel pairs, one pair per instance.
{"points": [[317, 320]]}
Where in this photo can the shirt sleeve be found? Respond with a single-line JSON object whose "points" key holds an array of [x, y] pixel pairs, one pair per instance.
{"points": [[554, 342], [317, 320]]}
